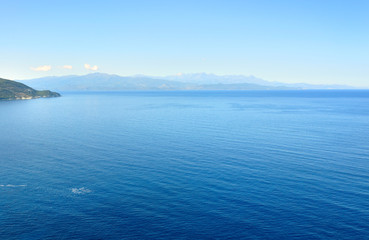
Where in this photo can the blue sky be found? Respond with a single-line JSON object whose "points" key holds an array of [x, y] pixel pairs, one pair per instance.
{"points": [[289, 41]]}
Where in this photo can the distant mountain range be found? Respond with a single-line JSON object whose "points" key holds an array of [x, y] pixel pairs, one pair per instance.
{"points": [[199, 81]]}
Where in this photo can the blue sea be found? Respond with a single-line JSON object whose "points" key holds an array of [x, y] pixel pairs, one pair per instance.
{"points": [[186, 165]]}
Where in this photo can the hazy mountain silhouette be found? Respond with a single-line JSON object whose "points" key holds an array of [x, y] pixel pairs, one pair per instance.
{"points": [[198, 81]]}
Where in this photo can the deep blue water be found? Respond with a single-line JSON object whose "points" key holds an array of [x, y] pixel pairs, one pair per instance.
{"points": [[186, 165]]}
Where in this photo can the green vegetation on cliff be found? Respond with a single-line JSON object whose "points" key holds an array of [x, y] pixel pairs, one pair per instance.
{"points": [[12, 90]]}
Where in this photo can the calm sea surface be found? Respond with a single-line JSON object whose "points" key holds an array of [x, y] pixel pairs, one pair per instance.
{"points": [[186, 165]]}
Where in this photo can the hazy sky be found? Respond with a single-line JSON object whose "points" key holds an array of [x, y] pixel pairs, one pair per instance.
{"points": [[309, 41]]}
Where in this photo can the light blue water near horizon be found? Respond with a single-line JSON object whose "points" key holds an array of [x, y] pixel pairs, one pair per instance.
{"points": [[186, 165]]}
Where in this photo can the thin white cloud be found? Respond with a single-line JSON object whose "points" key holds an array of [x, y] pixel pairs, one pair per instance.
{"points": [[43, 68], [93, 68], [67, 67]]}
